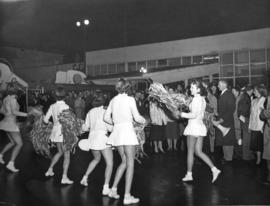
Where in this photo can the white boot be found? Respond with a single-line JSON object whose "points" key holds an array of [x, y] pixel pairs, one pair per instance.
{"points": [[11, 167], [215, 173], [84, 181], [129, 199], [188, 177]]}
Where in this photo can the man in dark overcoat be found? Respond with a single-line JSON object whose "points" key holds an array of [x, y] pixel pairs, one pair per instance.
{"points": [[226, 109]]}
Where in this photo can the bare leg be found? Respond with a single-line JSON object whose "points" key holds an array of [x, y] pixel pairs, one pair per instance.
{"points": [[121, 168], [160, 146], [130, 155], [199, 153], [108, 156], [169, 142], [155, 147], [94, 162], [175, 144], [9, 145], [66, 163], [190, 156], [258, 155], [16, 136], [57, 156]]}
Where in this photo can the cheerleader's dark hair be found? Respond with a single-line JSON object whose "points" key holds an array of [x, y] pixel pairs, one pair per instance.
{"points": [[60, 93], [199, 85], [123, 86]]}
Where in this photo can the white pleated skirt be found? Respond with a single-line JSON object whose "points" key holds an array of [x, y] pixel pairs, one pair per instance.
{"points": [[195, 128], [56, 135], [123, 134]]}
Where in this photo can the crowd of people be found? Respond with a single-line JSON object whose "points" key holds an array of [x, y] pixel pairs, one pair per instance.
{"points": [[241, 118]]}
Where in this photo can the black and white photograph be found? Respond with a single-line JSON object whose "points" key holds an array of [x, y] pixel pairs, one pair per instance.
{"points": [[134, 102]]}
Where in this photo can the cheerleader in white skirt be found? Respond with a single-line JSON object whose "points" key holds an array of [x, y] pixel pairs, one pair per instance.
{"points": [[121, 113], [97, 142], [196, 130], [57, 136], [10, 109]]}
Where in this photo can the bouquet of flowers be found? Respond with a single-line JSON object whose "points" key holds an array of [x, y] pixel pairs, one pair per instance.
{"points": [[41, 132], [139, 150], [71, 128], [173, 102]]}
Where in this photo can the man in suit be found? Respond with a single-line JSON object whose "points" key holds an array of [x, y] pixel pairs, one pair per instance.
{"points": [[226, 109], [243, 112]]}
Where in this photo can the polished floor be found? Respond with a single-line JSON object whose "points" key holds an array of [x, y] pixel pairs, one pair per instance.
{"points": [[157, 182]]}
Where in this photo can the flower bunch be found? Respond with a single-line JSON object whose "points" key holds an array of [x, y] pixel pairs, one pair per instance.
{"points": [[172, 101]]}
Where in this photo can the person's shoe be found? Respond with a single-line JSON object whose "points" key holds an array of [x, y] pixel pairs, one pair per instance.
{"points": [[215, 173], [113, 194], [66, 181], [84, 181], [128, 199], [49, 173], [187, 178], [106, 190], [11, 167], [1, 159]]}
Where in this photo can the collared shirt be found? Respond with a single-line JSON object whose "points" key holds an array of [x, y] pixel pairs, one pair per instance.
{"points": [[122, 109], [223, 91], [94, 120], [54, 110]]}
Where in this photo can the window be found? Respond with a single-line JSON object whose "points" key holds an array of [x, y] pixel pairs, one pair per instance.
{"points": [[258, 69], [242, 70], [257, 55], [121, 68], [258, 80], [174, 61], [103, 69], [162, 62], [227, 58], [97, 69], [141, 64], [226, 71], [186, 60], [132, 67], [241, 57], [112, 68], [214, 58], [241, 81], [197, 60], [151, 64], [90, 70]]}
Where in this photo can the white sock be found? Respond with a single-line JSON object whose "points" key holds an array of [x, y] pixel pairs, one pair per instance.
{"points": [[214, 169], [127, 195], [106, 186], [189, 173], [114, 189], [11, 163]]}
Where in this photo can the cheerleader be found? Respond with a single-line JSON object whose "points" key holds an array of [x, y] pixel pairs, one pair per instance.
{"points": [[10, 109], [121, 112], [96, 142], [196, 130], [57, 136]]}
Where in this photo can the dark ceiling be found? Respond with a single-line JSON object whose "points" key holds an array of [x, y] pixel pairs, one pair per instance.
{"points": [[49, 25]]}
